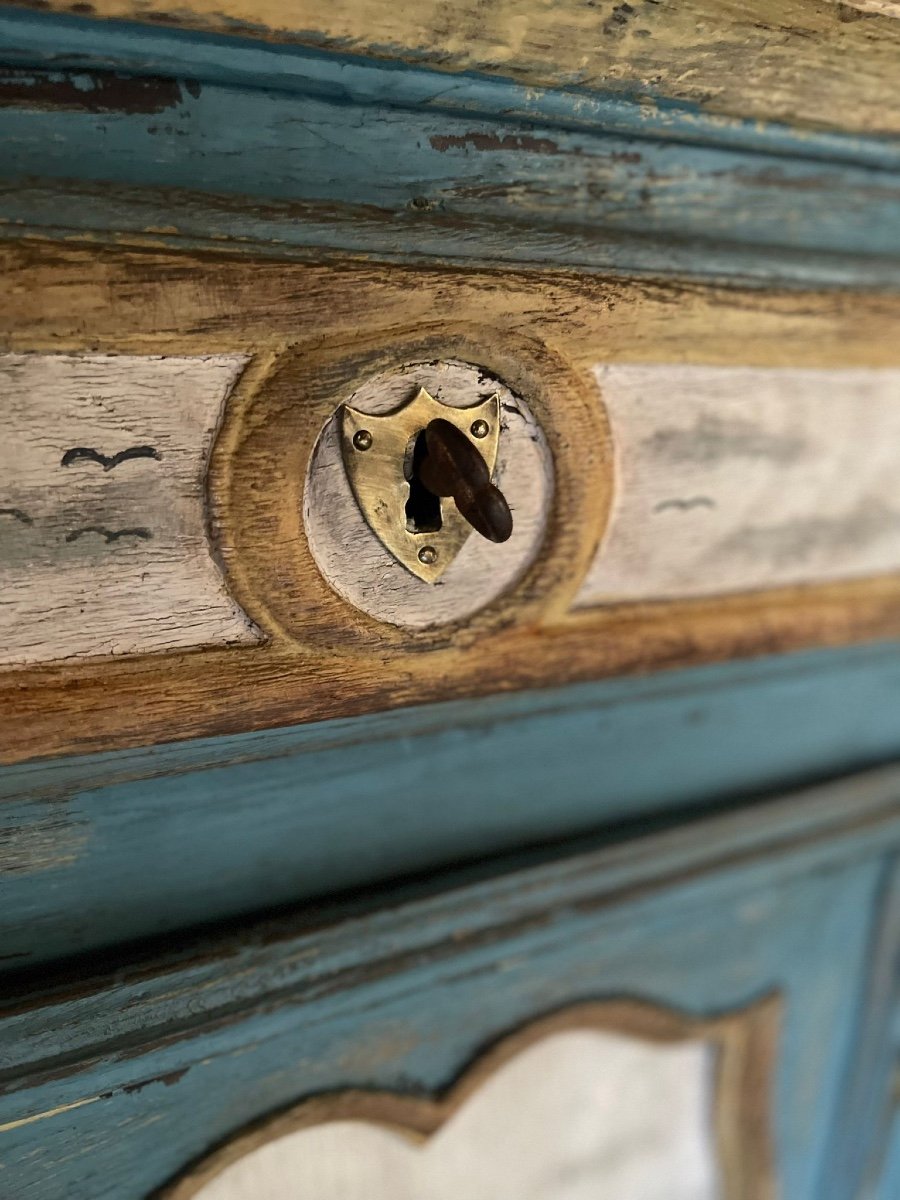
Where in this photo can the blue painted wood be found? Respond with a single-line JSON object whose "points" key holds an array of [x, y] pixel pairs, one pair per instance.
{"points": [[353, 156], [112, 1084], [887, 1185], [224, 826], [874, 1056], [883, 1176], [392, 161], [822, 827], [94, 215], [63, 43], [118, 1082]]}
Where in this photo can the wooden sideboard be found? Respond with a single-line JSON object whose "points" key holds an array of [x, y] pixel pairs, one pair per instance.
{"points": [[348, 853]]}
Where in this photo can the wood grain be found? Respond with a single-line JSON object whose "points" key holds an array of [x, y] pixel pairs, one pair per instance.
{"points": [[488, 174], [260, 820], [103, 543], [798, 61], [316, 333], [616, 1096]]}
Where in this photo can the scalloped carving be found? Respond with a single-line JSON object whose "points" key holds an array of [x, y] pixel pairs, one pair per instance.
{"points": [[618, 1099]]}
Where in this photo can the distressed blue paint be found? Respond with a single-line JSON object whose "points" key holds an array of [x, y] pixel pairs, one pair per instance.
{"points": [[813, 831], [253, 143], [399, 162], [71, 43], [414, 1018], [888, 1184], [205, 223], [884, 1175], [301, 152], [219, 827]]}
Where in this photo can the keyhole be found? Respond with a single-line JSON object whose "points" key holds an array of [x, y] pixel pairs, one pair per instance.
{"points": [[423, 508]]}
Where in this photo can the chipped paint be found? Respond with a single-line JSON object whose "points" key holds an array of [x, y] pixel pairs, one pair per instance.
{"points": [[94, 92], [9, 1126], [493, 141], [806, 63], [45, 843], [312, 175]]}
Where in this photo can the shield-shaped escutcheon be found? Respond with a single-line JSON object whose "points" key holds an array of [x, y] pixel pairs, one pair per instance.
{"points": [[421, 531]]}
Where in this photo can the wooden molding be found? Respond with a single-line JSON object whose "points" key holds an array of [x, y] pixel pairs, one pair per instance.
{"points": [[317, 1000], [796, 61], [492, 171], [745, 1041]]}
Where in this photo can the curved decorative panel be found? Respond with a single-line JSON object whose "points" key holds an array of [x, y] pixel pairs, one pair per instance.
{"points": [[616, 1099]]}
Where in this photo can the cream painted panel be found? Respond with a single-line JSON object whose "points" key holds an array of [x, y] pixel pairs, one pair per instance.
{"points": [[580, 1115], [732, 479], [103, 541]]}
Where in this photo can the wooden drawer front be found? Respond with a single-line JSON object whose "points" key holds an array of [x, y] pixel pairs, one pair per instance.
{"points": [[719, 938], [689, 477]]}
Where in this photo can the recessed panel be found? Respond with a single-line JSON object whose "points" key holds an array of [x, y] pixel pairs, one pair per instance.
{"points": [[739, 479]]}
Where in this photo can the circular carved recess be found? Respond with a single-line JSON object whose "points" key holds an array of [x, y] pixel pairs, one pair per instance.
{"points": [[555, 469], [352, 558]]}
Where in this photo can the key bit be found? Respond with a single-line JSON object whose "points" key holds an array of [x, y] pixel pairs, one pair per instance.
{"points": [[454, 467]]}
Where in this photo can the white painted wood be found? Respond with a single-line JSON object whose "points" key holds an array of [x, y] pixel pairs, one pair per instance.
{"points": [[733, 479], [103, 543], [358, 566], [582, 1115], [884, 8]]}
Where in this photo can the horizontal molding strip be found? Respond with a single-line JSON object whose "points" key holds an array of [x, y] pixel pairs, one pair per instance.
{"points": [[58, 43], [391, 162], [97, 214], [179, 994], [69, 860], [802, 62], [332, 327]]}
